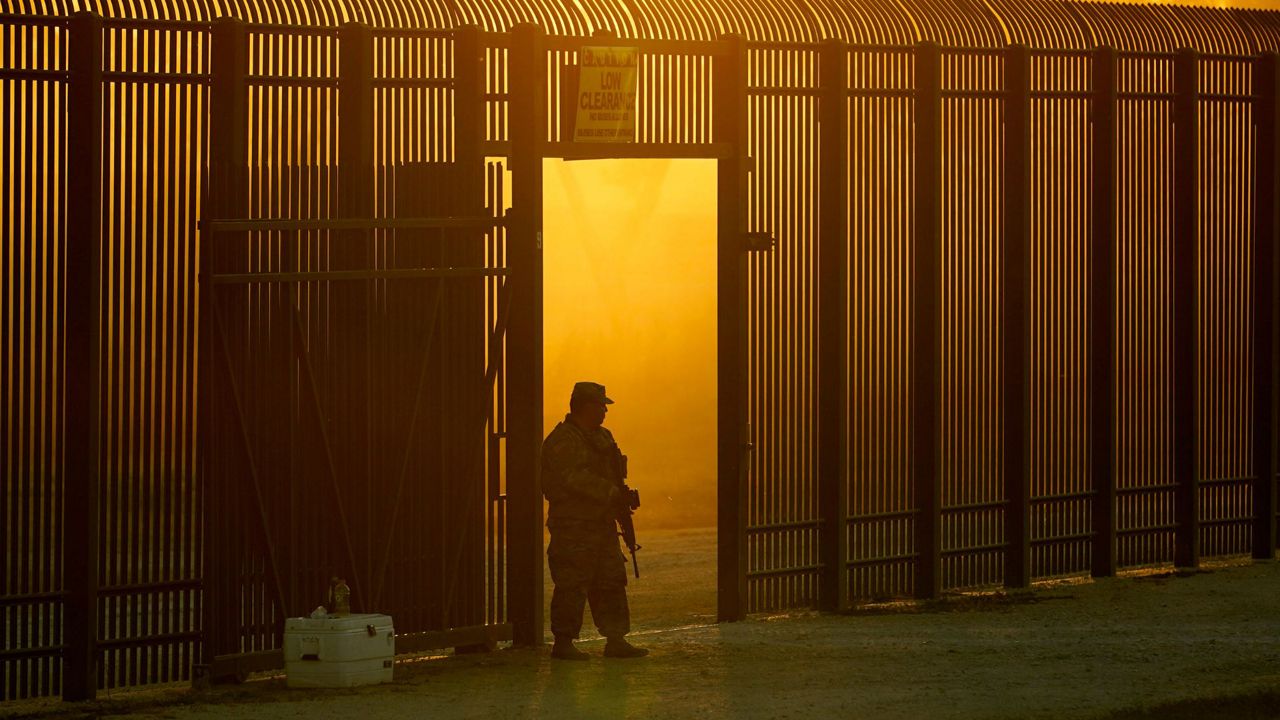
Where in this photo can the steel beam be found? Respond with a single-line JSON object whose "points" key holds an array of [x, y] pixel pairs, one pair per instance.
{"points": [[354, 303], [733, 446], [926, 323], [226, 195], [524, 336], [1016, 304], [470, 326], [1102, 314], [1186, 287], [638, 151], [1266, 92], [833, 325], [83, 333]]}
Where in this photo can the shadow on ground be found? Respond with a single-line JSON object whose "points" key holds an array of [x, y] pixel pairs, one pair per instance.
{"points": [[1169, 645]]}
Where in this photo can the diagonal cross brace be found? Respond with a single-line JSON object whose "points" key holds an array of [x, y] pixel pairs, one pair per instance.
{"points": [[247, 447], [408, 442], [308, 372]]}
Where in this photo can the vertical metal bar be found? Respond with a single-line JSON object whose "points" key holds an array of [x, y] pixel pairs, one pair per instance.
{"points": [[524, 343], [1185, 308], [468, 108], [1266, 93], [279, 375], [1102, 314], [569, 75], [733, 444], [356, 200], [833, 319], [82, 473], [147, 185], [1016, 278], [226, 196], [926, 323], [469, 200]]}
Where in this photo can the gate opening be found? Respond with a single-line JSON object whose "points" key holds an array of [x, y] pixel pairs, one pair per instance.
{"points": [[629, 267]]}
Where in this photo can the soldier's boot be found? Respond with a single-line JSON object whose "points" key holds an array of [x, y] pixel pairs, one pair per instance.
{"points": [[618, 647], [564, 650]]}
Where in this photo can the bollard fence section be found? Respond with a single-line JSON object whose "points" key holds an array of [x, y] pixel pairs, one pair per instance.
{"points": [[941, 372]]}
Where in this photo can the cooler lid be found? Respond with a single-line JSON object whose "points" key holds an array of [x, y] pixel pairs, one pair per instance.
{"points": [[355, 621]]}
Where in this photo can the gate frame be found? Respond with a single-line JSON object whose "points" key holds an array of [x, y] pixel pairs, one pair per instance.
{"points": [[528, 148], [227, 213]]}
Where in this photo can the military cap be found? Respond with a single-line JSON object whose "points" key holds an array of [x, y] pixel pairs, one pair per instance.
{"points": [[593, 392]]}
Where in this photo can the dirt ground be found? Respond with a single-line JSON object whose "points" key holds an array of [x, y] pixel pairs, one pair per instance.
{"points": [[1071, 650]]}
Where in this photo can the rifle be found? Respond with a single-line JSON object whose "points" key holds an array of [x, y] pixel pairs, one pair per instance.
{"points": [[631, 496]]}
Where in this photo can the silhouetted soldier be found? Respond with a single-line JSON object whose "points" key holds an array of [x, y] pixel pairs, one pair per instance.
{"points": [[586, 562]]}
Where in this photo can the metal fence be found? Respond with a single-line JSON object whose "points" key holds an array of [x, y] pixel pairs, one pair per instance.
{"points": [[1057, 374], [197, 564], [993, 309]]}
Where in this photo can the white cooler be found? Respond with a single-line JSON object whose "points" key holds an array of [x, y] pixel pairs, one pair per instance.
{"points": [[339, 651]]}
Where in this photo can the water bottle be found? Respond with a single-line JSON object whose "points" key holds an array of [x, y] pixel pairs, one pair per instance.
{"points": [[341, 598]]}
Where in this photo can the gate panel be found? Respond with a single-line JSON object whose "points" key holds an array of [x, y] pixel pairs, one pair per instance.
{"points": [[783, 513], [1062, 153], [272, 472], [1144, 335], [435, 553], [352, 379], [882, 507], [973, 492], [32, 324], [1225, 427], [153, 147]]}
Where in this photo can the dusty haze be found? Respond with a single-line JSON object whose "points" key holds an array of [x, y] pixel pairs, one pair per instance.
{"points": [[629, 253]]}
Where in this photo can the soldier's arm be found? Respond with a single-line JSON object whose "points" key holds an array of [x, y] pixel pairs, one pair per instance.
{"points": [[573, 473]]}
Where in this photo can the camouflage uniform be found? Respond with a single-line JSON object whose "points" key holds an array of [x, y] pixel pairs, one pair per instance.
{"points": [[586, 563]]}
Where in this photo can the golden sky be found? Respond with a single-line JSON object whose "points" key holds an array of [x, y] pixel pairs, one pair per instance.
{"points": [[629, 253]]}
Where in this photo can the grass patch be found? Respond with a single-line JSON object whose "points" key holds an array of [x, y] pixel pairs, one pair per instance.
{"points": [[1248, 706]]}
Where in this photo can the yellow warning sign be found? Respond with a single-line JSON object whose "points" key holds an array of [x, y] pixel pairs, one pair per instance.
{"points": [[606, 94]]}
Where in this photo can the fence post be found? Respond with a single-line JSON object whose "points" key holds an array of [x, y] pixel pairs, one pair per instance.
{"points": [[524, 334], [468, 63], [833, 319], [226, 196], [1102, 314], [82, 473], [469, 128], [1016, 277], [1185, 307], [353, 303], [1266, 276], [733, 442], [355, 109], [469, 297], [926, 322]]}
